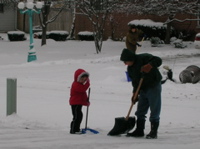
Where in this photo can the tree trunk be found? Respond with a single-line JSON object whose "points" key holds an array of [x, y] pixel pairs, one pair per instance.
{"points": [[44, 30], [44, 35], [71, 34], [98, 38], [168, 32], [45, 14]]}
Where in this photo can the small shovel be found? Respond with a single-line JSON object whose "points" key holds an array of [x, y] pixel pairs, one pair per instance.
{"points": [[123, 125], [86, 128]]}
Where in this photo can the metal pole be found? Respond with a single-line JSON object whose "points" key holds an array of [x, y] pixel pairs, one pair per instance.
{"points": [[32, 52], [29, 9], [87, 110], [11, 96]]}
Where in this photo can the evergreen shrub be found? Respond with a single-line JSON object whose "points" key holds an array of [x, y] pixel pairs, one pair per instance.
{"points": [[16, 36]]}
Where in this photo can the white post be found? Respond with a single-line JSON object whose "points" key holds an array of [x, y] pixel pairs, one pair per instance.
{"points": [[11, 96]]}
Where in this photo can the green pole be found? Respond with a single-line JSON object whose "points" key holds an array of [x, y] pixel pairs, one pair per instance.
{"points": [[32, 53], [11, 96]]}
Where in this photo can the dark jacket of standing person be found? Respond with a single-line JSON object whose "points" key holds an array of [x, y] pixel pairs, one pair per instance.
{"points": [[133, 37]]}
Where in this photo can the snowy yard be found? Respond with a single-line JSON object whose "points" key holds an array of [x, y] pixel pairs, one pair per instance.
{"points": [[44, 115]]}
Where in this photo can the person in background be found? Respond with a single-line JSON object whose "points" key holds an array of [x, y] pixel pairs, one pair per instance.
{"points": [[78, 98], [145, 66], [132, 38]]}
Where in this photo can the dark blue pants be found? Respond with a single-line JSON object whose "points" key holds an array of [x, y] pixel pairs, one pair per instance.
{"points": [[77, 118], [150, 98]]}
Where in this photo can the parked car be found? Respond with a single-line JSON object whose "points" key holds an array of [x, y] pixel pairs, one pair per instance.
{"points": [[197, 41]]}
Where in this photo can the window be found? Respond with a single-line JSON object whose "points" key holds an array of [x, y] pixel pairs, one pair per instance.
{"points": [[1, 8]]}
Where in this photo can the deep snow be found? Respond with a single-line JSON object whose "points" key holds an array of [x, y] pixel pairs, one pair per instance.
{"points": [[43, 113]]}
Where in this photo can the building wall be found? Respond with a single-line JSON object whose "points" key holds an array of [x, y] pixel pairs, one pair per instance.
{"points": [[8, 20], [63, 22]]}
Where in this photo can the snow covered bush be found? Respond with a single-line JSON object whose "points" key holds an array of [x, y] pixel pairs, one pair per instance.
{"points": [[186, 35], [179, 44], [58, 35], [86, 35], [173, 39], [55, 35], [16, 36], [156, 41]]}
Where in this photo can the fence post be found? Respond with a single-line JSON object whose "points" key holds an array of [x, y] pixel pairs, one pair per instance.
{"points": [[11, 96]]}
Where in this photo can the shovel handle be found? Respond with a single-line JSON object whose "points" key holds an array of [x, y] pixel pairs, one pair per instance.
{"points": [[86, 121], [134, 98]]}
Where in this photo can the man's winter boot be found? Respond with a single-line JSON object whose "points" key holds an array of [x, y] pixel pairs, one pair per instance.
{"points": [[139, 131], [154, 130]]}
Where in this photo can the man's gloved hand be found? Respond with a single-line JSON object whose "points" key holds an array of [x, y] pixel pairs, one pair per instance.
{"points": [[139, 45], [146, 68], [134, 100]]}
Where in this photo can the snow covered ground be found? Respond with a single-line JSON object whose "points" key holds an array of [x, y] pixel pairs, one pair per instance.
{"points": [[44, 115]]}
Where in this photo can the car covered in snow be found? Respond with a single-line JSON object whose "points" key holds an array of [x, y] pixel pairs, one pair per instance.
{"points": [[197, 41]]}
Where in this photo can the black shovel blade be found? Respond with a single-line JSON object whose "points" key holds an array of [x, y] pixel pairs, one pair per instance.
{"points": [[122, 126]]}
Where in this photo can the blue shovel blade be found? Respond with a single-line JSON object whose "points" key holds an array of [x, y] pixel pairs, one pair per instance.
{"points": [[91, 130]]}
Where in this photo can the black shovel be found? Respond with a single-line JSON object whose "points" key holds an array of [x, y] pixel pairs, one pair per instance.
{"points": [[122, 124]]}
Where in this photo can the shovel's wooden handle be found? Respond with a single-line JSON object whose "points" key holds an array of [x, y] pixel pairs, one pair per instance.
{"points": [[134, 98]]}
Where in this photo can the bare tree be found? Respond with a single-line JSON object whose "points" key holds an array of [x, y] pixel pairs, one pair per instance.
{"points": [[164, 7], [71, 34], [44, 16], [97, 12]]}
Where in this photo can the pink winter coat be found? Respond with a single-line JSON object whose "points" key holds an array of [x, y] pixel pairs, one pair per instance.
{"points": [[78, 95]]}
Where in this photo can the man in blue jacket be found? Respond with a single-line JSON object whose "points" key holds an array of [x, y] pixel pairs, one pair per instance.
{"points": [[146, 66]]}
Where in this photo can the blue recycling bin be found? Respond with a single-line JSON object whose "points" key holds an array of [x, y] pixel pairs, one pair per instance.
{"points": [[128, 78]]}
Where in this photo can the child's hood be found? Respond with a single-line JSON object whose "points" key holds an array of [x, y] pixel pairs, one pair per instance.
{"points": [[79, 73]]}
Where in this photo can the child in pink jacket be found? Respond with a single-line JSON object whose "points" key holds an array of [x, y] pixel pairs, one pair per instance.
{"points": [[78, 98]]}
